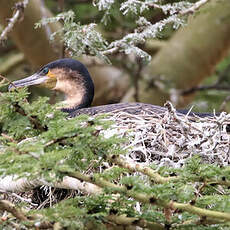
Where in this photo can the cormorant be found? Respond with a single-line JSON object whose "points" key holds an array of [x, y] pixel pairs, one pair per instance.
{"points": [[72, 78]]}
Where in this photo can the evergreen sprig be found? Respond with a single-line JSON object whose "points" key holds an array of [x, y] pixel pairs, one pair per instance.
{"points": [[70, 142], [192, 197], [78, 39], [86, 39]]}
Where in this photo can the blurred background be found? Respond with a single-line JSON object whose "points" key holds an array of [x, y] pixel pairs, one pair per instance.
{"points": [[147, 51]]}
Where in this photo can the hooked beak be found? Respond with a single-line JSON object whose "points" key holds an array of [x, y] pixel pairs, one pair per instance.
{"points": [[35, 79]]}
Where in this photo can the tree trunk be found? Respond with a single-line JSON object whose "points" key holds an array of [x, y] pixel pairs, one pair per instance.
{"points": [[111, 83], [34, 43], [189, 57]]}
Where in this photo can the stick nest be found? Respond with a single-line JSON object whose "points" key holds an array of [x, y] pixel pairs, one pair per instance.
{"points": [[170, 138]]}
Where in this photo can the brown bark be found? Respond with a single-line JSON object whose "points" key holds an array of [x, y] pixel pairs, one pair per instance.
{"points": [[34, 43], [190, 56]]}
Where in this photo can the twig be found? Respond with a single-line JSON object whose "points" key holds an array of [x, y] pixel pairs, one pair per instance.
{"points": [[59, 140], [202, 88], [11, 83], [111, 51], [223, 104], [139, 168], [136, 77], [20, 6], [217, 85], [149, 199], [190, 10], [133, 221], [33, 120], [18, 197], [195, 7], [13, 141], [6, 205], [8, 137]]}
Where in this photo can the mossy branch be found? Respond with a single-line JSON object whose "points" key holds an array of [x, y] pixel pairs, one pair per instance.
{"points": [[153, 200], [132, 221], [135, 167], [153, 175]]}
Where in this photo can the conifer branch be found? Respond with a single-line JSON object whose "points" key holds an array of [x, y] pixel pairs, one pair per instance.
{"points": [[150, 199], [135, 167], [33, 120]]}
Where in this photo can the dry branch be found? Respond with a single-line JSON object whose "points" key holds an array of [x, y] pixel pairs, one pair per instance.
{"points": [[18, 14], [195, 7], [5, 205]]}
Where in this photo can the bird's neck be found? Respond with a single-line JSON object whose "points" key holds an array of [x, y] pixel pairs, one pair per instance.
{"points": [[78, 90], [74, 94]]}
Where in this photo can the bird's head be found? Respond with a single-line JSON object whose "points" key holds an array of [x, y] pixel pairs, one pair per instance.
{"points": [[66, 75]]}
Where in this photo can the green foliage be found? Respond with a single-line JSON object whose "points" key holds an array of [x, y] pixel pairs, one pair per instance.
{"points": [[134, 17], [60, 142], [40, 142], [80, 39]]}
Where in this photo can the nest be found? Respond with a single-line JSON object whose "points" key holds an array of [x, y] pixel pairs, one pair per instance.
{"points": [[161, 137], [170, 138]]}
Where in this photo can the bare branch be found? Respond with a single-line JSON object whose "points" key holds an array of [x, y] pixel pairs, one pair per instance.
{"points": [[216, 86], [111, 51], [10, 184], [195, 7], [6, 205], [20, 6]]}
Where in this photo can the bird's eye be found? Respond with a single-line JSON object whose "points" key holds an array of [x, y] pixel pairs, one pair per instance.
{"points": [[45, 70]]}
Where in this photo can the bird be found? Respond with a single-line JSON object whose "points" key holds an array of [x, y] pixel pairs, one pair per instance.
{"points": [[72, 78]]}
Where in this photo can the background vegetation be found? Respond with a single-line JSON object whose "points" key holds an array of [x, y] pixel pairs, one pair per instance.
{"points": [[148, 51]]}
